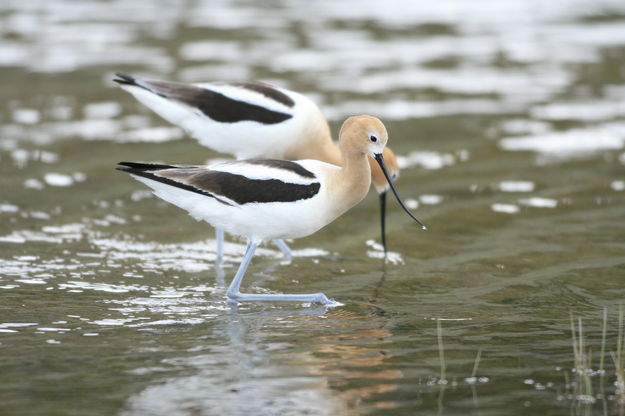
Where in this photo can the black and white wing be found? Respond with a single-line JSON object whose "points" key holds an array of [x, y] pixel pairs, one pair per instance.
{"points": [[244, 119], [220, 102], [233, 183]]}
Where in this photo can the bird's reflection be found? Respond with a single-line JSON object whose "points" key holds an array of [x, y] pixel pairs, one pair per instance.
{"points": [[268, 359]]}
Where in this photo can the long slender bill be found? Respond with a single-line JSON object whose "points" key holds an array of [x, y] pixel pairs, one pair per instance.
{"points": [[383, 218], [380, 160]]}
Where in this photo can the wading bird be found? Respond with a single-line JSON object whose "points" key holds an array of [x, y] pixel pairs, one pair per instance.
{"points": [[265, 199], [251, 120]]}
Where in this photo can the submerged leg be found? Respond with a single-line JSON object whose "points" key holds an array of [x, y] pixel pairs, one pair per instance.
{"points": [[219, 238], [236, 296], [219, 275], [383, 219], [283, 248]]}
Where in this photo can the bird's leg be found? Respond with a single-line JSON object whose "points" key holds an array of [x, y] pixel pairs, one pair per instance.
{"points": [[219, 238], [383, 220], [235, 295], [283, 248], [303, 297], [233, 290], [219, 275]]}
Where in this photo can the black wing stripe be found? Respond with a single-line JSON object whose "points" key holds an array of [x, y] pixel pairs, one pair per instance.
{"points": [[213, 104], [268, 91], [226, 110], [284, 165], [243, 190]]}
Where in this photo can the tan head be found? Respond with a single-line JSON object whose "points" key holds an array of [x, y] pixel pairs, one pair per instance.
{"points": [[367, 135], [363, 134]]}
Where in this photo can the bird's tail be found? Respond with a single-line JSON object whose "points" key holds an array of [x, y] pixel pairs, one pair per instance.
{"points": [[148, 85], [125, 79], [137, 167]]}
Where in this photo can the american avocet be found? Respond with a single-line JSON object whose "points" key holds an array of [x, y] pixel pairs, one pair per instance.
{"points": [[251, 120], [269, 199]]}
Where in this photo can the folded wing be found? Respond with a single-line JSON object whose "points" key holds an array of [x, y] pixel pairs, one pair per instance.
{"points": [[235, 183]]}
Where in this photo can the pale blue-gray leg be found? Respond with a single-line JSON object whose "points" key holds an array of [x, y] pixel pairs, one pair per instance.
{"points": [[235, 295], [283, 248], [219, 238], [233, 290]]}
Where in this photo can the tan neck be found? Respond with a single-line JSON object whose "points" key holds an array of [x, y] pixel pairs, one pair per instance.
{"points": [[328, 151], [351, 183], [316, 142]]}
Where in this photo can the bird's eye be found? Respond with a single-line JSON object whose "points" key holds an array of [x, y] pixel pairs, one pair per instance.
{"points": [[373, 138]]}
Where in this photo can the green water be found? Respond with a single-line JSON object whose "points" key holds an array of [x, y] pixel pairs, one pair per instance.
{"points": [[508, 117]]}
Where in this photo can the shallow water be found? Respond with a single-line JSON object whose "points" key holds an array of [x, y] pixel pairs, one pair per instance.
{"points": [[509, 121]]}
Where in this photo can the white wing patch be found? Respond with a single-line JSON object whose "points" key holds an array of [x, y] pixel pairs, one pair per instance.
{"points": [[261, 172]]}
